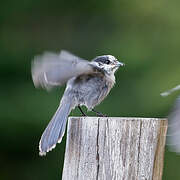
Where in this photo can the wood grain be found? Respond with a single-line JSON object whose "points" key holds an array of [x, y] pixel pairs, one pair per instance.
{"points": [[114, 148]]}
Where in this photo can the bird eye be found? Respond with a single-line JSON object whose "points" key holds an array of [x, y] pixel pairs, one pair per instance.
{"points": [[107, 61]]}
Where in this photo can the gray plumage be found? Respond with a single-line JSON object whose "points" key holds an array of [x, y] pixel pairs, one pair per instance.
{"points": [[173, 135], [50, 69], [88, 83]]}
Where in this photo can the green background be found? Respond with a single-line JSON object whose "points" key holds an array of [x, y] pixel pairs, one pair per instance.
{"points": [[145, 35]]}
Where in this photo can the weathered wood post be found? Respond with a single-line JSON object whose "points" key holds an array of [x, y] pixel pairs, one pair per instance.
{"points": [[114, 148]]}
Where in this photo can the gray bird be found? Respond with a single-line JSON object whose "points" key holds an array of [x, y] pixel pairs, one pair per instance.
{"points": [[173, 134], [88, 83]]}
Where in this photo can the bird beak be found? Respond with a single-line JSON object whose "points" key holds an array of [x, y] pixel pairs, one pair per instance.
{"points": [[120, 64]]}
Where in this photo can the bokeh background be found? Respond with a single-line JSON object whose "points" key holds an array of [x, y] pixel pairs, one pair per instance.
{"points": [[145, 35]]}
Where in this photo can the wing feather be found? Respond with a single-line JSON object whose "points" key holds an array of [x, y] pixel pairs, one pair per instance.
{"points": [[173, 136], [51, 69]]}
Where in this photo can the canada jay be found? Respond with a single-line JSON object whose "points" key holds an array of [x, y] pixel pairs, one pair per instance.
{"points": [[173, 135], [88, 83]]}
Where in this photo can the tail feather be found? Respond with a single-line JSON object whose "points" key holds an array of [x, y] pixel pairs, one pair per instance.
{"points": [[55, 130]]}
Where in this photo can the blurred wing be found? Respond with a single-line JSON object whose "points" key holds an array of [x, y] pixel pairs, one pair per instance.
{"points": [[167, 93], [173, 136], [51, 69]]}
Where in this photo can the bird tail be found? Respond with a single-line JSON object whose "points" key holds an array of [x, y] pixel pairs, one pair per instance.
{"points": [[56, 128]]}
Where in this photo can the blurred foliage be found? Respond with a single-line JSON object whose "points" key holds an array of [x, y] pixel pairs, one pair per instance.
{"points": [[142, 34]]}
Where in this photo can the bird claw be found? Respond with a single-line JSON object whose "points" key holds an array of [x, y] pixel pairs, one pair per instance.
{"points": [[99, 114]]}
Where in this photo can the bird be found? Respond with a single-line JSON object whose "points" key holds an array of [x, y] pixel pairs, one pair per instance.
{"points": [[87, 84], [173, 133]]}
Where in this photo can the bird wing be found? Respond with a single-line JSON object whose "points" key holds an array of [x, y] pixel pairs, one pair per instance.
{"points": [[173, 135], [50, 69]]}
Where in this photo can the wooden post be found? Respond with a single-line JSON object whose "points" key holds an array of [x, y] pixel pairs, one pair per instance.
{"points": [[114, 148]]}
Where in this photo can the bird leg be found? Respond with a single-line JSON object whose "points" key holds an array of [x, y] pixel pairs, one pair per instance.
{"points": [[99, 113], [82, 111]]}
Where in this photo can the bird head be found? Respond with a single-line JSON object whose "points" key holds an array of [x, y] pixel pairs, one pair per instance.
{"points": [[106, 63]]}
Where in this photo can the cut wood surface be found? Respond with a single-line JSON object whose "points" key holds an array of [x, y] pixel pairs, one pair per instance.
{"points": [[114, 148]]}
